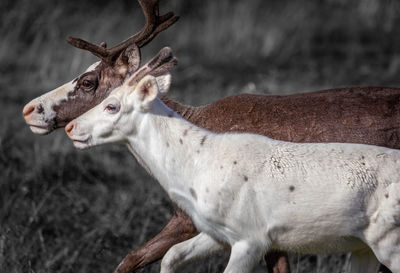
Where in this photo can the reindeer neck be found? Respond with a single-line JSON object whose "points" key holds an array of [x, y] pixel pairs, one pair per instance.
{"points": [[170, 146], [185, 111]]}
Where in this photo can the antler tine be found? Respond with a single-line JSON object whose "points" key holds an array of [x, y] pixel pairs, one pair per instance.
{"points": [[165, 17], [171, 20], [98, 51], [162, 62], [151, 13], [164, 67], [154, 24]]}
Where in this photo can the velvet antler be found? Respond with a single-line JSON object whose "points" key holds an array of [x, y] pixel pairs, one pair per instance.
{"points": [[162, 62], [154, 25]]}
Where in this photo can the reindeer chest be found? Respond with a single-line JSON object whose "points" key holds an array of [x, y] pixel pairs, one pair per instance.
{"points": [[210, 209]]}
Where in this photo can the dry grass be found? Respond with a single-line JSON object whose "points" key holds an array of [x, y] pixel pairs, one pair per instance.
{"points": [[63, 210]]}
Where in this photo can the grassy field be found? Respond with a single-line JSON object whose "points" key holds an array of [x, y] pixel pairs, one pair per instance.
{"points": [[63, 210]]}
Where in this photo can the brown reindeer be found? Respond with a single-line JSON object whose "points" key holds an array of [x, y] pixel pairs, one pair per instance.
{"points": [[361, 115]]}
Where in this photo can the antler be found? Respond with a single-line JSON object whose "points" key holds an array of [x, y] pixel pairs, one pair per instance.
{"points": [[154, 24], [159, 64]]}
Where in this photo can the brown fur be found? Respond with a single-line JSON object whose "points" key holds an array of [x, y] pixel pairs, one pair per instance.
{"points": [[80, 100], [369, 115]]}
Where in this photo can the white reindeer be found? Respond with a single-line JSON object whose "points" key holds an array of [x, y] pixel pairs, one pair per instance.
{"points": [[253, 193]]}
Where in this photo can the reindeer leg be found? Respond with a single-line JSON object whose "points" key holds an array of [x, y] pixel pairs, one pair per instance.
{"points": [[244, 255], [200, 246], [277, 262], [178, 229]]}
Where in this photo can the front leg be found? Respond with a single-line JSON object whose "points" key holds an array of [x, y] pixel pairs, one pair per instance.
{"points": [[199, 246], [178, 229], [244, 255]]}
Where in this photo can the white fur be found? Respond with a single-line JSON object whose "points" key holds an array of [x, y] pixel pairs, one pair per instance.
{"points": [[41, 123], [255, 193]]}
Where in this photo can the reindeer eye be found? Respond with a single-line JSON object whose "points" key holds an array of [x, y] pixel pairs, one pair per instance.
{"points": [[112, 109], [88, 85], [88, 82]]}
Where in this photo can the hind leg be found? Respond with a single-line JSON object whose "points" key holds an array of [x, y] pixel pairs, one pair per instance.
{"points": [[363, 262], [385, 243], [383, 232], [387, 249]]}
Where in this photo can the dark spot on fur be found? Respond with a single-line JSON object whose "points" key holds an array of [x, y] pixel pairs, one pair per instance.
{"points": [[245, 178], [291, 188], [363, 163], [185, 132], [203, 140], [40, 108], [386, 195], [221, 167], [197, 151], [193, 193], [278, 166], [167, 144], [180, 141], [235, 162]]}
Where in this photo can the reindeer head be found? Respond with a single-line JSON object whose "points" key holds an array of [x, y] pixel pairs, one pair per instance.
{"points": [[120, 114], [58, 107]]}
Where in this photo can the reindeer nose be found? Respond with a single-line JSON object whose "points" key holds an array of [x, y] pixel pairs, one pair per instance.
{"points": [[30, 108], [69, 127]]}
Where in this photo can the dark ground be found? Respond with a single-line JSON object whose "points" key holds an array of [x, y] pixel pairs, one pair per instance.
{"points": [[64, 210]]}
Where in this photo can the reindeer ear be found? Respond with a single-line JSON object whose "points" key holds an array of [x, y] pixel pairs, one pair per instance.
{"points": [[146, 91], [164, 83], [131, 57]]}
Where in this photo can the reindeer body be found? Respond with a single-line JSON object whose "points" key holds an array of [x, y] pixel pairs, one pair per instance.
{"points": [[244, 187], [255, 193]]}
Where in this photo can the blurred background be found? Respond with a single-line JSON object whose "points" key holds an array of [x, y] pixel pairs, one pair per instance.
{"points": [[64, 210]]}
